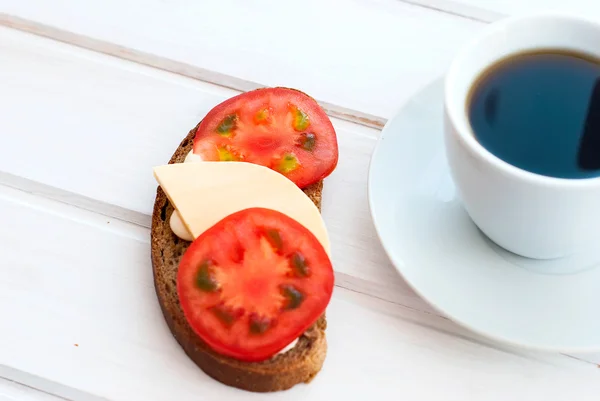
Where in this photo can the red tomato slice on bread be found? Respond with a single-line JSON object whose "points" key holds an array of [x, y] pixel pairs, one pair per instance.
{"points": [[253, 283], [283, 129]]}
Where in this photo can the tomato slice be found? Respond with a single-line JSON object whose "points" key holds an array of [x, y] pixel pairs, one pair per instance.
{"points": [[253, 283], [283, 129]]}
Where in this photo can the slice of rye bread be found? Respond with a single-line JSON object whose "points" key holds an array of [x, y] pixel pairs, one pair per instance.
{"points": [[283, 371]]}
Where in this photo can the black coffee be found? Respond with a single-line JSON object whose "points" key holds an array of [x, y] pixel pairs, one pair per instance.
{"points": [[540, 111]]}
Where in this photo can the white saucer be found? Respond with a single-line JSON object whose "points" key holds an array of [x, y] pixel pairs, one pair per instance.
{"points": [[444, 257]]}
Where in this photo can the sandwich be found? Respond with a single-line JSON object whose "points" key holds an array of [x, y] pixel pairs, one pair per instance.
{"points": [[240, 252]]}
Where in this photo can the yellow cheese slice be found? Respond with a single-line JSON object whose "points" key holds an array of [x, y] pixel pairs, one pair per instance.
{"points": [[205, 192]]}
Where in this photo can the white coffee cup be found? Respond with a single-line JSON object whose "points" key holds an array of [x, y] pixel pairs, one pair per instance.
{"points": [[531, 215]]}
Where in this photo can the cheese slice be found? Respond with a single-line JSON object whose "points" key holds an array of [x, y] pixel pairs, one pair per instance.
{"points": [[203, 193]]}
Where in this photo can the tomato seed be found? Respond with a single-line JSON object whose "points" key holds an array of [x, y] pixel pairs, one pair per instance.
{"points": [[293, 295], [204, 279], [237, 253], [262, 116], [307, 141], [227, 125], [275, 239], [259, 325], [299, 264], [288, 163], [224, 315], [226, 156], [301, 121]]}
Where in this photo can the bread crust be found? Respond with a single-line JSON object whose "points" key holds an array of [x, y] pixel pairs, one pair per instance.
{"points": [[299, 365]]}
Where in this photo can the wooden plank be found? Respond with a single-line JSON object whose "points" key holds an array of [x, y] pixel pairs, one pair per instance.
{"points": [[369, 61], [476, 11], [83, 301], [12, 391]]}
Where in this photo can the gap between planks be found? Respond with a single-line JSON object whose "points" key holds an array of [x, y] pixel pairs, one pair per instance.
{"points": [[458, 9], [28, 387], [175, 67]]}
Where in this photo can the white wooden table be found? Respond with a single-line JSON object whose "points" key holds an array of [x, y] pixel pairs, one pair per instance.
{"points": [[94, 93]]}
